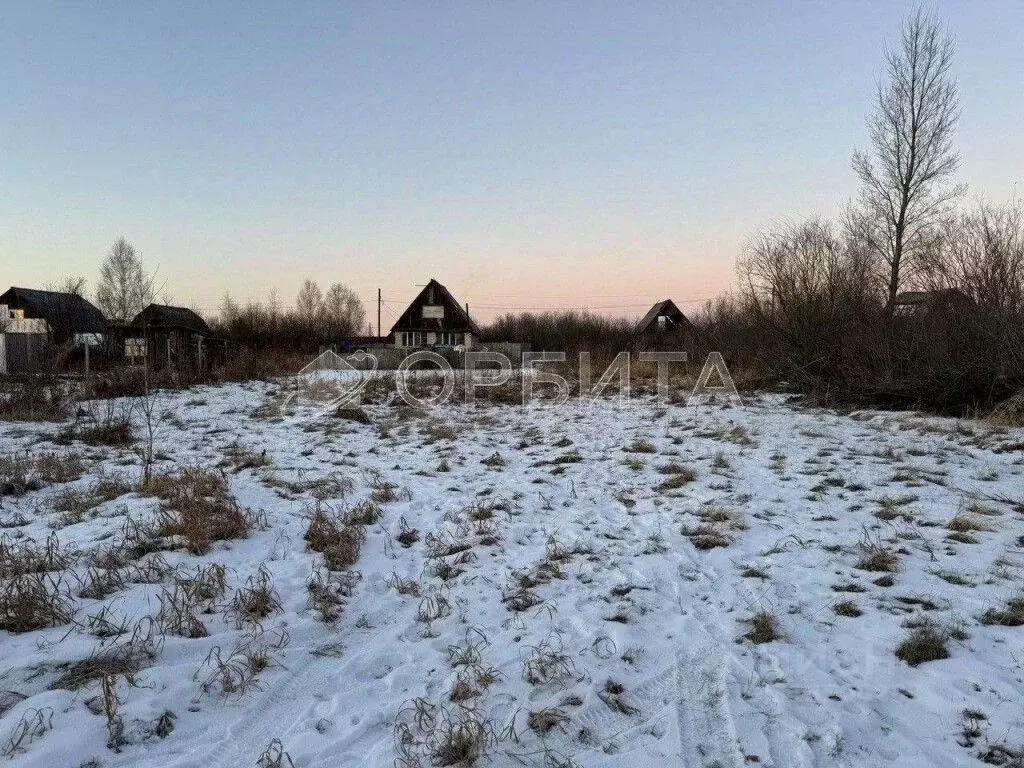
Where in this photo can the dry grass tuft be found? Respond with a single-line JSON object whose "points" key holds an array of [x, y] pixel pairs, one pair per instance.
{"points": [[925, 642], [198, 508], [330, 535], [1011, 616], [764, 628], [717, 525], [877, 557], [962, 523], [21, 474], [847, 608], [31, 601], [254, 602]]}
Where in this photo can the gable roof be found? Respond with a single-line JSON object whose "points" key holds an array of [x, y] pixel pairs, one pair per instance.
{"points": [[455, 313], [165, 316], [665, 307], [66, 313]]}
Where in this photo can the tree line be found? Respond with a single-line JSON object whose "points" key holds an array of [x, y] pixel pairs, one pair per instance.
{"points": [[126, 287]]}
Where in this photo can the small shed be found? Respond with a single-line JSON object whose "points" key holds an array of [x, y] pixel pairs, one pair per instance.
{"points": [[171, 336], [434, 319], [923, 303], [664, 321]]}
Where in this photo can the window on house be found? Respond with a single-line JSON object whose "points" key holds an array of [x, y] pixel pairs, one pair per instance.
{"points": [[411, 338], [450, 339]]}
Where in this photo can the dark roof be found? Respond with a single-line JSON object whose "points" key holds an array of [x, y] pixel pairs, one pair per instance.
{"points": [[67, 311], [931, 298], [458, 312], [164, 316], [665, 307]]}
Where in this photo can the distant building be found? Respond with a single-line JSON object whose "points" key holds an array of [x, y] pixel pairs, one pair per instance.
{"points": [[42, 328], [171, 336], [664, 323], [920, 303], [434, 319], [61, 316]]}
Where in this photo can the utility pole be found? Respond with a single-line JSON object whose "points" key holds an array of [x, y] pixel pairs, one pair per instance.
{"points": [[378, 313]]}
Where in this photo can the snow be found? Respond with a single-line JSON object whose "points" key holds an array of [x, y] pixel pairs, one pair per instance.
{"points": [[647, 662]]}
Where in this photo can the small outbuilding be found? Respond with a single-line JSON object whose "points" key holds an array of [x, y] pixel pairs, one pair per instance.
{"points": [[171, 336], [925, 303]]}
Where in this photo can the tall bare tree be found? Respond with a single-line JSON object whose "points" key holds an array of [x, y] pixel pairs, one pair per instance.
{"points": [[904, 176], [125, 288], [344, 311], [309, 304]]}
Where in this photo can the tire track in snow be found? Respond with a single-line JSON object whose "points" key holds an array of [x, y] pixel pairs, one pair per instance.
{"points": [[692, 693]]}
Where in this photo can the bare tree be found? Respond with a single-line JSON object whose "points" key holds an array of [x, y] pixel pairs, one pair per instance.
{"points": [[904, 175], [344, 311], [73, 284], [125, 288], [981, 253], [309, 303]]}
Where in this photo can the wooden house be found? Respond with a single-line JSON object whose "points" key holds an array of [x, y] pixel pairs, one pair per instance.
{"points": [[171, 336], [61, 316], [664, 323], [434, 319], [946, 301]]}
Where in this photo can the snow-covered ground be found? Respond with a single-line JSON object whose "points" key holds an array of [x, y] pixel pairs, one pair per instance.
{"points": [[555, 571]]}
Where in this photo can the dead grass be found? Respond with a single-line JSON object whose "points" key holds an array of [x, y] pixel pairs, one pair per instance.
{"points": [[962, 523], [23, 473], [28, 557], [332, 536], [1010, 616], [32, 601], [717, 527], [927, 641], [876, 557], [764, 628], [254, 602], [847, 608], [197, 508], [78, 504]]}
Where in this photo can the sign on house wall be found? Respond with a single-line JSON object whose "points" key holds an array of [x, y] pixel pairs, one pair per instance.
{"points": [[433, 312], [92, 339]]}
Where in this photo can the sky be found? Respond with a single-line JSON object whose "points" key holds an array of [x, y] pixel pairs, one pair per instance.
{"points": [[528, 155]]}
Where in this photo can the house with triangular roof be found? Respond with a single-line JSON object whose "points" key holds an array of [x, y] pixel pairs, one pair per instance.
{"points": [[664, 319], [435, 318]]}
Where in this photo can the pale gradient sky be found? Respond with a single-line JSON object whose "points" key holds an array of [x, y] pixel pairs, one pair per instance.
{"points": [[526, 154]]}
